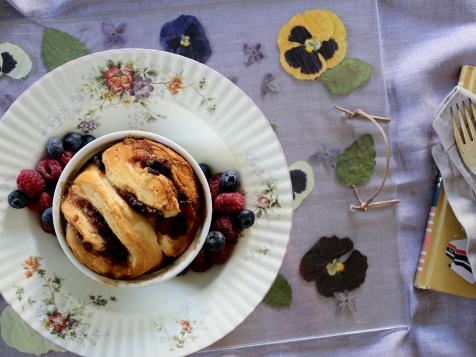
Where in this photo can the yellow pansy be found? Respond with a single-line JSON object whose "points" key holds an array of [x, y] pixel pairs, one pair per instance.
{"points": [[312, 42]]}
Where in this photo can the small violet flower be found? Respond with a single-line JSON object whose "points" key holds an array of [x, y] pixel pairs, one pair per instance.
{"points": [[268, 84], [345, 301], [113, 33], [7, 100], [327, 156], [252, 54], [142, 88]]}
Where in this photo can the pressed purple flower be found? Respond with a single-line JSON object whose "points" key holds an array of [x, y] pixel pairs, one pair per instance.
{"points": [[252, 54], [186, 36], [7, 100], [345, 301], [268, 84], [327, 156], [113, 33], [142, 88]]}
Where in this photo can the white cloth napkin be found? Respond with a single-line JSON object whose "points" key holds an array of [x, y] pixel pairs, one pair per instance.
{"points": [[459, 182]]}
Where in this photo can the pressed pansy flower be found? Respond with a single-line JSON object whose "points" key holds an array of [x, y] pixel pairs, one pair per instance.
{"points": [[334, 265], [268, 84], [186, 36], [312, 42], [14, 62], [113, 33], [252, 54], [142, 88]]}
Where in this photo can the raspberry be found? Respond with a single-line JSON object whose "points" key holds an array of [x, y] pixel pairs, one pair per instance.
{"points": [[49, 169], [224, 225], [31, 182], [214, 184], [45, 201], [201, 263], [222, 256], [65, 157], [229, 202], [48, 228]]}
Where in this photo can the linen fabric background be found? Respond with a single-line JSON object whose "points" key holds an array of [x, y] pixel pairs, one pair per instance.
{"points": [[424, 44]]}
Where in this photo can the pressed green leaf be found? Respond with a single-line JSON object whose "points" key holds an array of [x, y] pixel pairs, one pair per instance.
{"points": [[347, 76], [280, 294], [17, 334], [356, 164], [58, 48]]}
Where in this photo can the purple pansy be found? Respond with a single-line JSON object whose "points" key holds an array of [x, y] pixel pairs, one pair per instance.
{"points": [[268, 84], [142, 88], [186, 36], [327, 156], [113, 33], [252, 54]]}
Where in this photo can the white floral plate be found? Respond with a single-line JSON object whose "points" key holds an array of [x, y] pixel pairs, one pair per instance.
{"points": [[216, 122]]}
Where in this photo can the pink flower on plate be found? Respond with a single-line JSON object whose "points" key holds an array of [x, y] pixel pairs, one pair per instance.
{"points": [[119, 80], [186, 326], [263, 201]]}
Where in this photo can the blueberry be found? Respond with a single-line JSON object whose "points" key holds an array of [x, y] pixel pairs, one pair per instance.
{"points": [[245, 218], [47, 216], [229, 181], [54, 147], [206, 170], [17, 199], [87, 139], [215, 241], [73, 141]]}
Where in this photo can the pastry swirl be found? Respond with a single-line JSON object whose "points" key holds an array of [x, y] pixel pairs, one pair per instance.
{"points": [[145, 206]]}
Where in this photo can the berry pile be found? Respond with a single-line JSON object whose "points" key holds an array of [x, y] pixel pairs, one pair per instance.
{"points": [[35, 188], [230, 217]]}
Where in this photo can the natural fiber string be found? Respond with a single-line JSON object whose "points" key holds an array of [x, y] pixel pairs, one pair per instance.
{"points": [[365, 205]]}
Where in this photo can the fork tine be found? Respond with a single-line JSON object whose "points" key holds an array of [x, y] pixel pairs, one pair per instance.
{"points": [[470, 121], [463, 125], [457, 132]]}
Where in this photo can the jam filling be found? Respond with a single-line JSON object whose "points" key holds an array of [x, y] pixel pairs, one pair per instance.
{"points": [[114, 248], [137, 205]]}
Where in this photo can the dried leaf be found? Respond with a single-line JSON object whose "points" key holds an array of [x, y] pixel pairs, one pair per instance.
{"points": [[17, 334], [280, 294], [58, 48], [357, 163], [349, 75]]}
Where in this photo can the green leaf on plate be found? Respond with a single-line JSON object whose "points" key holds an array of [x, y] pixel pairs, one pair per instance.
{"points": [[17, 334], [59, 48], [280, 294], [356, 164], [347, 76]]}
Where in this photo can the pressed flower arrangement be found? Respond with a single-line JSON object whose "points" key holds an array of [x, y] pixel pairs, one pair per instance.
{"points": [[313, 45]]}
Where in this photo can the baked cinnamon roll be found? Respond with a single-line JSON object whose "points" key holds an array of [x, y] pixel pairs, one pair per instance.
{"points": [[145, 206]]}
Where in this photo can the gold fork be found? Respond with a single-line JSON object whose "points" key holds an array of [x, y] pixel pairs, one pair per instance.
{"points": [[464, 128]]}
